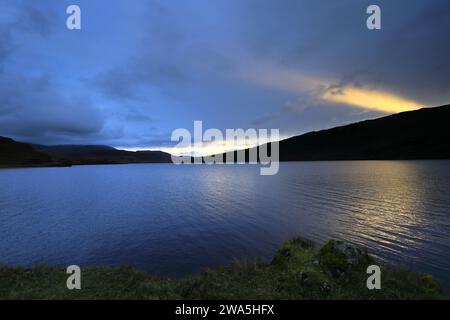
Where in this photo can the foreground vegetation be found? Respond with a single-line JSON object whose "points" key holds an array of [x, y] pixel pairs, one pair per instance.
{"points": [[299, 270]]}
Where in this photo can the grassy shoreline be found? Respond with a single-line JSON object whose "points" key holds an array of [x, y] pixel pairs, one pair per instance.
{"points": [[299, 270]]}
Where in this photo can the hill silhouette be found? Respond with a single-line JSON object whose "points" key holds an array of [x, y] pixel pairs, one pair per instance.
{"points": [[13, 153], [419, 134], [98, 154]]}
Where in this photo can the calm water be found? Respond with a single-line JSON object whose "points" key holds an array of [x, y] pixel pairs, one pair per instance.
{"points": [[174, 220]]}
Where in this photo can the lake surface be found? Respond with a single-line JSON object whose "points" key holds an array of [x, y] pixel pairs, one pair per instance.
{"points": [[175, 220]]}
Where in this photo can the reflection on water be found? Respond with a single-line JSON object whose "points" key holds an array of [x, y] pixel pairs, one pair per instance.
{"points": [[391, 210], [174, 220]]}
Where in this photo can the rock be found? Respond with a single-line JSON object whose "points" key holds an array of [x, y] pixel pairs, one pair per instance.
{"points": [[339, 256], [353, 255]]}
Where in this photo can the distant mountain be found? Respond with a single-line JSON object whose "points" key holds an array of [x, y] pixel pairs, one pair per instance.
{"points": [[13, 153], [420, 134], [97, 154], [18, 154]]}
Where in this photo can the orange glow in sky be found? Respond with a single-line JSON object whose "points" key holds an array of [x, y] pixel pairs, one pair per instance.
{"points": [[372, 100]]}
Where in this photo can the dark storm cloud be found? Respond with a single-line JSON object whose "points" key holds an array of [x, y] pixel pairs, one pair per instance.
{"points": [[152, 65], [34, 109], [5, 41], [330, 38], [4, 47], [34, 19], [170, 55], [22, 17]]}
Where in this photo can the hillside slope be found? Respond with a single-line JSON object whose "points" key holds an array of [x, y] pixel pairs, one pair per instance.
{"points": [[20, 154], [420, 134]]}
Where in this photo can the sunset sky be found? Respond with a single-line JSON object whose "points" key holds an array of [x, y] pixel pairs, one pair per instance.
{"points": [[140, 69]]}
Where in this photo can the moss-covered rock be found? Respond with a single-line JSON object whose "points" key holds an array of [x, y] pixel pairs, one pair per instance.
{"points": [[339, 256]]}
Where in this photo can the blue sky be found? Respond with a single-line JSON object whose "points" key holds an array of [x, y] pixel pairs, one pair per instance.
{"points": [[140, 69]]}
